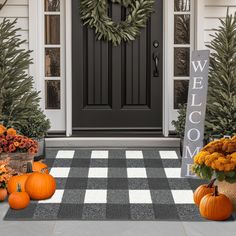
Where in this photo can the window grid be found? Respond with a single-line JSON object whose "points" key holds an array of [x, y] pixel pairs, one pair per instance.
{"points": [[179, 90], [52, 56]]}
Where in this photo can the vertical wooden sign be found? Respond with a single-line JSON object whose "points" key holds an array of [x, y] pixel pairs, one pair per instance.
{"points": [[196, 109]]}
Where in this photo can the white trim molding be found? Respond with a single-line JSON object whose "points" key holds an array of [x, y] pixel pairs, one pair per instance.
{"points": [[33, 41], [166, 69], [68, 31], [199, 24]]}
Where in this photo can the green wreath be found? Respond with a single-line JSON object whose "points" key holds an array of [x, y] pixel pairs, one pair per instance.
{"points": [[94, 14]]}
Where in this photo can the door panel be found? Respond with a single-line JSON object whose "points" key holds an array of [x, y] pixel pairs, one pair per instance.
{"points": [[114, 86]]}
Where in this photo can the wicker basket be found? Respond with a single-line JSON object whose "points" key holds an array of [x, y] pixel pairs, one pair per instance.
{"points": [[229, 190], [18, 161]]}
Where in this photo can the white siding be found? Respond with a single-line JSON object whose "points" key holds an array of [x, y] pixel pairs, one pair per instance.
{"points": [[209, 13], [18, 9]]}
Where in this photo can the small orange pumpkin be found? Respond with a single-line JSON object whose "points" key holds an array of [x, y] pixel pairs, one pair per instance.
{"points": [[38, 166], [19, 179], [18, 200], [215, 206], [203, 190], [3, 194], [40, 186]]}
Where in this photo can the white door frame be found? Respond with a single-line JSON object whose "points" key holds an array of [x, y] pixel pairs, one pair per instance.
{"points": [[165, 119], [36, 44], [68, 17]]}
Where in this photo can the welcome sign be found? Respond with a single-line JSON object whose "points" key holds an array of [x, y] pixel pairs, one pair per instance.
{"points": [[196, 109]]}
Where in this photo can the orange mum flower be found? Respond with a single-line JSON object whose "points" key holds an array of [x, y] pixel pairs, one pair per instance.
{"points": [[2, 129], [32, 150], [16, 144], [22, 144], [12, 148], [11, 131]]}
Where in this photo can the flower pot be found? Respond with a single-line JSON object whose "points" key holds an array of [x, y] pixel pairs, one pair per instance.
{"points": [[18, 160], [41, 151], [229, 190]]}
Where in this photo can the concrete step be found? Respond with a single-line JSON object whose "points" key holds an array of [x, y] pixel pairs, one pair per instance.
{"points": [[112, 142]]}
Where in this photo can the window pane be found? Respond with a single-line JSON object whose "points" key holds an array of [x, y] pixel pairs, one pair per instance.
{"points": [[181, 61], [182, 5], [52, 5], [52, 62], [53, 88], [180, 92], [182, 29], [52, 29]]}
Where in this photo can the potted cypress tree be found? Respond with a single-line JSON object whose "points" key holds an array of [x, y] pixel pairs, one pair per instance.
{"points": [[221, 104], [19, 102], [221, 100]]}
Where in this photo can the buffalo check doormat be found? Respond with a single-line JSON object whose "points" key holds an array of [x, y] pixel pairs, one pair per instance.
{"points": [[115, 184]]}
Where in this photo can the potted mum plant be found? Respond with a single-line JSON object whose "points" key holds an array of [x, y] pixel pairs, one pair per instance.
{"points": [[18, 148], [218, 160]]}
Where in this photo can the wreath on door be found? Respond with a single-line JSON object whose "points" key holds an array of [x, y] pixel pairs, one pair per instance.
{"points": [[94, 14]]}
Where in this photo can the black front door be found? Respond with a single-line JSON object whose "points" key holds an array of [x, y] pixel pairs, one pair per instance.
{"points": [[117, 88]]}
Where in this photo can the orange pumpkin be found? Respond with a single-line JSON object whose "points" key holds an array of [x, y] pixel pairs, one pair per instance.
{"points": [[19, 179], [203, 190], [39, 166], [215, 206], [40, 186], [3, 194], [19, 200]]}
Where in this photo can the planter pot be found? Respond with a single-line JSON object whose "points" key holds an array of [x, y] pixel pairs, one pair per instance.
{"points": [[41, 152], [18, 161], [229, 190]]}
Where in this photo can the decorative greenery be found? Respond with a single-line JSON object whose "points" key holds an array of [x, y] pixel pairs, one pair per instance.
{"points": [[94, 14], [221, 105], [19, 102], [37, 125], [217, 159], [179, 124]]}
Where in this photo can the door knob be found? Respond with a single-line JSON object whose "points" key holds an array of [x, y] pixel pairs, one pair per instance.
{"points": [[156, 64], [155, 44]]}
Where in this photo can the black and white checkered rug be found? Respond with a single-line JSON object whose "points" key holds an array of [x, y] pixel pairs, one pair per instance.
{"points": [[115, 184]]}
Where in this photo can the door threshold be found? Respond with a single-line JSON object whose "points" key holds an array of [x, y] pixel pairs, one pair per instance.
{"points": [[112, 142]]}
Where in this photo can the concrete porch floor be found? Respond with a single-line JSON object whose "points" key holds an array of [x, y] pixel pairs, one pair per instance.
{"points": [[114, 228]]}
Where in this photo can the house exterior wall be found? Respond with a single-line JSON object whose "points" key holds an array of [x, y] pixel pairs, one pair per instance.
{"points": [[18, 9], [209, 12]]}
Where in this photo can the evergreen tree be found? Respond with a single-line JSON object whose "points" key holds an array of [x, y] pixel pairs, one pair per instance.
{"points": [[221, 104], [221, 99], [18, 99]]}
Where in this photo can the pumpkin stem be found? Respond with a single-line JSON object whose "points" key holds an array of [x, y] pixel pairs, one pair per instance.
{"points": [[210, 185], [18, 188], [216, 192]]}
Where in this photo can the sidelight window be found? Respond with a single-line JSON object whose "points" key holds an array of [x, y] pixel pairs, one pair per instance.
{"points": [[53, 62], [182, 47], [52, 54]]}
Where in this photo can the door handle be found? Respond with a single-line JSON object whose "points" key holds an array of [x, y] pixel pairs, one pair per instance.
{"points": [[156, 64]]}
